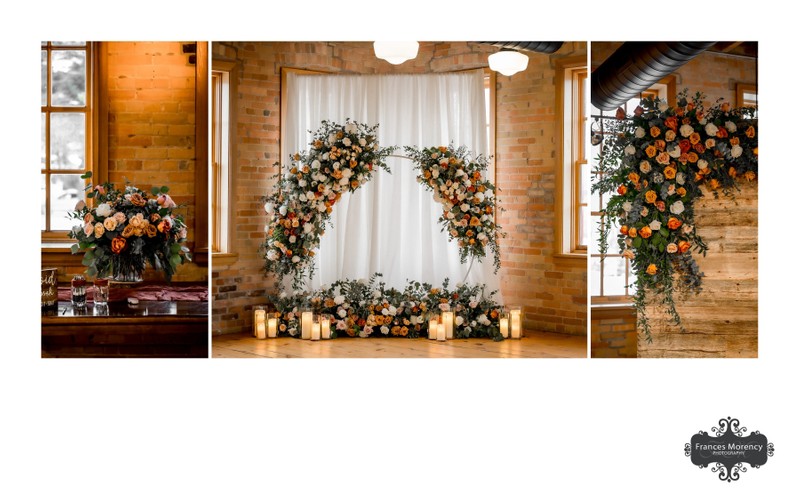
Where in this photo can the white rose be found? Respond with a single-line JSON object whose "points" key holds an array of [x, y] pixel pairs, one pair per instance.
{"points": [[686, 130], [339, 300], [384, 330], [680, 178], [644, 211], [315, 164], [702, 164], [435, 173], [342, 313], [687, 228], [627, 206], [655, 225], [292, 239], [283, 210], [481, 236], [663, 106], [479, 196], [321, 207], [302, 183], [730, 126], [465, 207], [310, 196], [344, 181], [104, 210], [308, 227], [473, 304], [703, 121], [392, 310], [630, 150], [639, 132], [385, 312], [362, 142], [346, 142], [295, 259], [676, 208], [711, 130], [269, 208], [350, 128], [347, 173], [272, 255], [645, 167], [674, 152], [736, 151]]}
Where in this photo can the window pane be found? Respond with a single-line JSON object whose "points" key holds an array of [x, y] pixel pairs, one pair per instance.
{"points": [[594, 247], [65, 192], [69, 77], [631, 279], [44, 202], [614, 276], [584, 185], [67, 140], [44, 139], [596, 275], [68, 43], [44, 77], [582, 235]]}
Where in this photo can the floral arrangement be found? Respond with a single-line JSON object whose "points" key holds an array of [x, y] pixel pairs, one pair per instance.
{"points": [[361, 308], [467, 199], [125, 229], [341, 159], [653, 165]]}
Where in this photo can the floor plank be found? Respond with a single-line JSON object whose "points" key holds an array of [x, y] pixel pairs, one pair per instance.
{"points": [[534, 345]]}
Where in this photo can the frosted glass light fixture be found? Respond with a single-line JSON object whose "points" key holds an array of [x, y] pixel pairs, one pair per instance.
{"points": [[508, 62], [395, 52]]}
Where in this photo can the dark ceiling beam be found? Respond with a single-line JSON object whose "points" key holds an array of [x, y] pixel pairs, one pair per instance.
{"points": [[530, 46]]}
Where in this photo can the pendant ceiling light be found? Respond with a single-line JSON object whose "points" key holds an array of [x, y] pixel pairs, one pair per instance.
{"points": [[508, 62], [396, 52]]}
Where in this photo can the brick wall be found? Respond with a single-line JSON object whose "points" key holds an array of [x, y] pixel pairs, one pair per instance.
{"points": [[151, 126], [614, 333], [552, 293]]}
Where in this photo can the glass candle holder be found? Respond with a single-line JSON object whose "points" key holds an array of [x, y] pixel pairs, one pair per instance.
{"points": [[101, 290], [79, 291], [505, 321]]}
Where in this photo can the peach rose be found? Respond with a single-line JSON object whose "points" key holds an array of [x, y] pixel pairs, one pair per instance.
{"points": [[750, 176], [151, 231], [652, 269], [663, 158], [165, 201], [88, 228], [672, 248], [627, 253], [750, 132], [110, 224], [128, 231], [99, 230], [137, 199], [632, 232], [710, 143]]}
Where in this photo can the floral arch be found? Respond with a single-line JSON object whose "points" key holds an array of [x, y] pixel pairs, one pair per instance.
{"points": [[341, 159]]}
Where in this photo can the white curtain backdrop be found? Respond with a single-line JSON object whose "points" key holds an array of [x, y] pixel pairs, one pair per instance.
{"points": [[390, 224]]}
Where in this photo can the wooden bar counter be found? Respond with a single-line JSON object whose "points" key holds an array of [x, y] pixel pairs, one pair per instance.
{"points": [[149, 329]]}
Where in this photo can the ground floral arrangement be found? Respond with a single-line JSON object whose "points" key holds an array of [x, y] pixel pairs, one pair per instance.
{"points": [[341, 159], [652, 165], [367, 308], [125, 229]]}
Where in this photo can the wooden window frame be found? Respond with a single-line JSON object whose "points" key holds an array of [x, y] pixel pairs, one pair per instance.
{"points": [[741, 89], [223, 251], [570, 155], [95, 135]]}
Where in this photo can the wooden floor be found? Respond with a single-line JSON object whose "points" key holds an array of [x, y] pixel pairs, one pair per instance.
{"points": [[534, 345]]}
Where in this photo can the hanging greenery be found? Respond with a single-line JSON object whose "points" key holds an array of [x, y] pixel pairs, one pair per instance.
{"points": [[652, 164]]}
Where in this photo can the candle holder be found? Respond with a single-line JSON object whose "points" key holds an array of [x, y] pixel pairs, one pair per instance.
{"points": [[325, 326], [273, 322], [504, 323], [259, 316], [432, 325], [316, 327], [101, 292], [306, 323], [516, 322], [448, 319], [441, 332]]}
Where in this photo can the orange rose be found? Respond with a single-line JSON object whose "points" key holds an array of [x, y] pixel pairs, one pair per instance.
{"points": [[750, 132], [622, 190], [354, 184], [655, 131], [475, 221], [660, 144], [632, 232], [632, 176], [750, 176], [683, 246], [137, 199], [685, 146], [674, 223], [623, 229], [118, 244], [661, 206], [669, 172], [128, 231], [150, 230], [681, 191], [692, 157], [725, 107], [732, 172], [671, 123], [755, 150], [650, 196], [735, 141], [694, 138], [652, 269], [663, 158], [645, 232], [700, 148], [650, 151], [722, 133], [713, 184]]}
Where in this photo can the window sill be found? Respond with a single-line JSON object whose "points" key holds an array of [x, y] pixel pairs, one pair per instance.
{"points": [[607, 311], [571, 259], [224, 258]]}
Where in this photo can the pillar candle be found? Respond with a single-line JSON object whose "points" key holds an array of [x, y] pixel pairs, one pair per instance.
{"points": [[272, 329], [432, 328], [315, 331], [448, 319], [258, 317], [441, 332], [325, 328], [306, 321], [504, 327], [261, 332], [516, 323]]}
